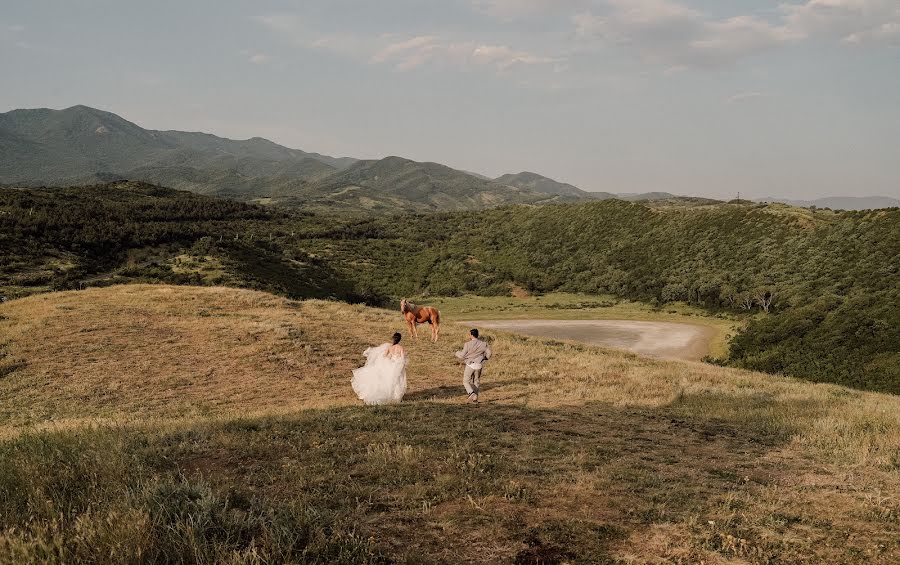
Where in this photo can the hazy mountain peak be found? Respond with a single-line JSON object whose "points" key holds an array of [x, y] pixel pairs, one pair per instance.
{"points": [[534, 181], [395, 160], [80, 144]]}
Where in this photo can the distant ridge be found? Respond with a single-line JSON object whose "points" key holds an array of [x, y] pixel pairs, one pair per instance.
{"points": [[638, 196], [399, 184], [540, 183], [840, 202], [82, 145]]}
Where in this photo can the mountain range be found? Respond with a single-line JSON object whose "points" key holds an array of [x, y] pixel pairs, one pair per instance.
{"points": [[82, 145]]}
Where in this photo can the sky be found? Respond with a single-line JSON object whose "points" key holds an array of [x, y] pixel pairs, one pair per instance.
{"points": [[796, 99]]}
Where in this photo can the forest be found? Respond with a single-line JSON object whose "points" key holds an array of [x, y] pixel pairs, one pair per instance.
{"points": [[818, 288]]}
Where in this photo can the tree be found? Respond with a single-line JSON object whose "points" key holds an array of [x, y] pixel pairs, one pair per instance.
{"points": [[673, 292], [745, 299], [728, 295], [765, 297]]}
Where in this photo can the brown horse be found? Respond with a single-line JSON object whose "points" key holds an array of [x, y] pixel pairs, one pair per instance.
{"points": [[416, 315]]}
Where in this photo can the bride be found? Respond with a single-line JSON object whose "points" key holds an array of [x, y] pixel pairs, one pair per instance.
{"points": [[382, 380]]}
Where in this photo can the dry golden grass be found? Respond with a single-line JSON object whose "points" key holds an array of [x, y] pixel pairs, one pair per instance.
{"points": [[592, 453]]}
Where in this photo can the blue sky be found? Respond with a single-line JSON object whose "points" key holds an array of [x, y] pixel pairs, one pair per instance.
{"points": [[791, 98]]}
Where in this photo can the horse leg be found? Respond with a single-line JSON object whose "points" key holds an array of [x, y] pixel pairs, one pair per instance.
{"points": [[435, 331], [412, 329]]}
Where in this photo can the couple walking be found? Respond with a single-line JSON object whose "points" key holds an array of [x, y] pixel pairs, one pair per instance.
{"points": [[382, 380]]}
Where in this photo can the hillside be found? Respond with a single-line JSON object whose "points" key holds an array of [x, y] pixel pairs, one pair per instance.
{"points": [[828, 279], [394, 184], [219, 425], [82, 145], [131, 231], [539, 183]]}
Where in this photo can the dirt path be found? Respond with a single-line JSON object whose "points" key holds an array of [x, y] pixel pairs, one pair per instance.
{"points": [[663, 340]]}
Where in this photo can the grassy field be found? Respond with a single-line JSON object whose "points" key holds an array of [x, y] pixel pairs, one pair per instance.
{"points": [[565, 306], [183, 424]]}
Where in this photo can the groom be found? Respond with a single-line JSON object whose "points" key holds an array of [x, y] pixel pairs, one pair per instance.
{"points": [[474, 353]]}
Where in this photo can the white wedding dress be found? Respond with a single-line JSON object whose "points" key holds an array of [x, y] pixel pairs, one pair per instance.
{"points": [[382, 380]]}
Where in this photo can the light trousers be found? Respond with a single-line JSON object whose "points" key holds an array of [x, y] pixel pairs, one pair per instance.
{"points": [[472, 380]]}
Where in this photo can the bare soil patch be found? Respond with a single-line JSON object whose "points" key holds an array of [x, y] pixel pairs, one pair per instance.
{"points": [[661, 340]]}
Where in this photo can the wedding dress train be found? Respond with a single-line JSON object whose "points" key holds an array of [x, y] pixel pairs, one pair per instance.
{"points": [[382, 380]]}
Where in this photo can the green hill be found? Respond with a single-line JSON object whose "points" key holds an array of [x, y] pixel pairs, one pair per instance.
{"points": [[132, 231], [539, 183], [81, 145], [396, 184], [237, 178]]}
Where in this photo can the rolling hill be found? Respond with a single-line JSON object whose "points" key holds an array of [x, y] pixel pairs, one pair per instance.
{"points": [[398, 184], [180, 424], [540, 183], [82, 145]]}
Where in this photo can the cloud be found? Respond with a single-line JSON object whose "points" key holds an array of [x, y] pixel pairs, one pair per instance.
{"points": [[412, 51], [11, 32], [14, 35], [746, 96], [677, 36], [259, 58], [852, 21], [668, 33], [282, 23], [296, 32], [511, 9], [407, 53], [415, 52]]}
